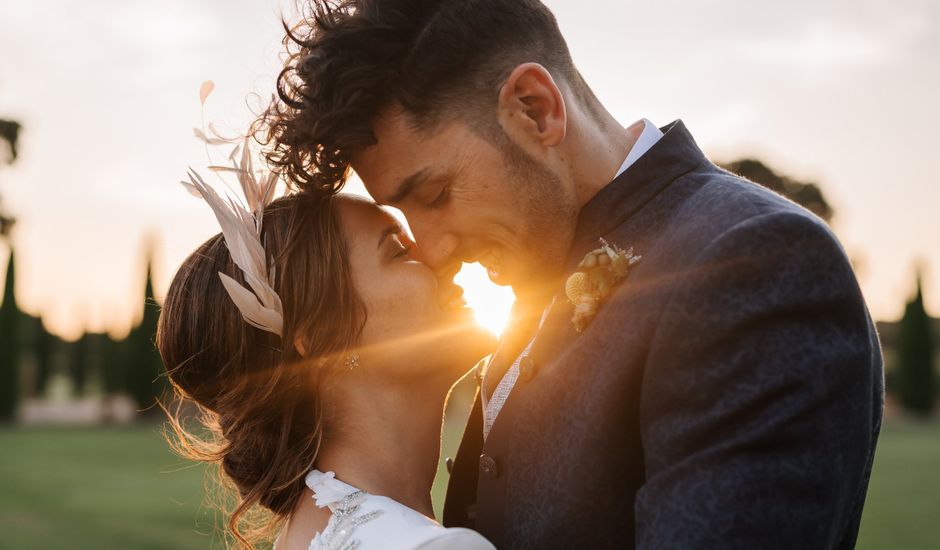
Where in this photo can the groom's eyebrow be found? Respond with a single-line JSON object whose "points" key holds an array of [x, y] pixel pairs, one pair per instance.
{"points": [[408, 185]]}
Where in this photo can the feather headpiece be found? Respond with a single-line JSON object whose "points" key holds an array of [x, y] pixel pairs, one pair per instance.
{"points": [[260, 305]]}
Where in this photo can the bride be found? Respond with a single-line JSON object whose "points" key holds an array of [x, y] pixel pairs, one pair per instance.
{"points": [[318, 362]]}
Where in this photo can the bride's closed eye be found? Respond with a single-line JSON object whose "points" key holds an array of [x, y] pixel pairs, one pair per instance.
{"points": [[404, 248], [397, 243]]}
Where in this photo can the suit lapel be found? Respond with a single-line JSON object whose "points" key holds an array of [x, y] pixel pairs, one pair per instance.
{"points": [[522, 329], [460, 503]]}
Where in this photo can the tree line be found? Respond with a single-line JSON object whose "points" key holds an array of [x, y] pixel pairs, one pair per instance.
{"points": [[30, 356]]}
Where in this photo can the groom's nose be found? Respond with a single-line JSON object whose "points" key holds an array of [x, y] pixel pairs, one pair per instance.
{"points": [[437, 247], [445, 275]]}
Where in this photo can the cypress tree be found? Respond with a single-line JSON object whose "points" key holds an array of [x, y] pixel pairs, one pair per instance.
{"points": [[112, 367], [9, 133], [80, 361], [9, 346], [9, 313], [916, 378], [43, 348], [143, 366]]}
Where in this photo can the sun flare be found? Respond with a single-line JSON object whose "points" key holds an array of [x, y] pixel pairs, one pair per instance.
{"points": [[491, 303]]}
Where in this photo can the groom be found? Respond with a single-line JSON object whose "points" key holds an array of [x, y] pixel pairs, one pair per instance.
{"points": [[722, 389]]}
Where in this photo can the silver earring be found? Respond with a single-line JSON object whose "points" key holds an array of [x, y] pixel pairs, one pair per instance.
{"points": [[352, 361]]}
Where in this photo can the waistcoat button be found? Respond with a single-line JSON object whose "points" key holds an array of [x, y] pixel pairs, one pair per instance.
{"points": [[488, 467], [526, 369]]}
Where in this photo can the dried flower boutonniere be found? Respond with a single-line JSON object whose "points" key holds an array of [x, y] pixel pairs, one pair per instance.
{"points": [[599, 271]]}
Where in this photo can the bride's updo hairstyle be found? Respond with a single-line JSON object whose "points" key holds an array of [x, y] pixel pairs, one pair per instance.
{"points": [[245, 399]]}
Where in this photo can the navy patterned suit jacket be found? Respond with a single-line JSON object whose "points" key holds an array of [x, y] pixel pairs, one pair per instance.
{"points": [[728, 394]]}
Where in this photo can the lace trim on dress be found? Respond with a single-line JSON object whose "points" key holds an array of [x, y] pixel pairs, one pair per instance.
{"points": [[344, 501]]}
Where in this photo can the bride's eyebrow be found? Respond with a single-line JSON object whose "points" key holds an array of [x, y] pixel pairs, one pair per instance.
{"points": [[393, 229]]}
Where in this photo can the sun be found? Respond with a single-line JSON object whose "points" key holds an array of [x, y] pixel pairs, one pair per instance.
{"points": [[491, 303]]}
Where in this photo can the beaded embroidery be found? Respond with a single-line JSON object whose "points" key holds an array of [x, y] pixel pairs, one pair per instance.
{"points": [[338, 534]]}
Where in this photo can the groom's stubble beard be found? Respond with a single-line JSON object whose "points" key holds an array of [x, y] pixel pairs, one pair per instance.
{"points": [[549, 218]]}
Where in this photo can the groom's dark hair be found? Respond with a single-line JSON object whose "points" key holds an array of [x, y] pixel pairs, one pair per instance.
{"points": [[440, 60]]}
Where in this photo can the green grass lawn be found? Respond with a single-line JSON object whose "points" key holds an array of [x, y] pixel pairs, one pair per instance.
{"points": [[121, 488], [98, 488], [903, 506]]}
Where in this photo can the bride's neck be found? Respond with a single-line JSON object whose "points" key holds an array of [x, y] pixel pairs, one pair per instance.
{"points": [[387, 442]]}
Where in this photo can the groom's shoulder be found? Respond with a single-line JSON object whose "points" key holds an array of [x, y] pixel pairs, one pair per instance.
{"points": [[725, 195], [711, 216], [716, 204]]}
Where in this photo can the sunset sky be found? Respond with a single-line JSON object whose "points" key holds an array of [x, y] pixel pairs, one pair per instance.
{"points": [[844, 93]]}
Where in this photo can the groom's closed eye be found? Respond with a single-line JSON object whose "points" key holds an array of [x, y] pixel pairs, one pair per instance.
{"points": [[443, 193], [432, 192], [409, 185], [427, 188]]}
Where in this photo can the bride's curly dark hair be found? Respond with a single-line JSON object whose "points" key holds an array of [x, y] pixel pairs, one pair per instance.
{"points": [[439, 59], [256, 400]]}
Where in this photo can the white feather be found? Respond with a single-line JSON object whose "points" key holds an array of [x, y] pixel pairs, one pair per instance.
{"points": [[241, 229], [191, 190], [201, 136], [204, 90], [251, 309], [216, 134]]}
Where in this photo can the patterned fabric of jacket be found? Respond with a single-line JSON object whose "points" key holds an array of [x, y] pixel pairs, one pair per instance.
{"points": [[728, 393]]}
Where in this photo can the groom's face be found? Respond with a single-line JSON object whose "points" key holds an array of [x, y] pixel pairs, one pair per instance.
{"points": [[468, 199]]}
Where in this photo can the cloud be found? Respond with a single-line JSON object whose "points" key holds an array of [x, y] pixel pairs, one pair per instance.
{"points": [[823, 45], [838, 40]]}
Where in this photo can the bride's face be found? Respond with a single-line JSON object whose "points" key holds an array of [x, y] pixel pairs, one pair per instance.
{"points": [[416, 326]]}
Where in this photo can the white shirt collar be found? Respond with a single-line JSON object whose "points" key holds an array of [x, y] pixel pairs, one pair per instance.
{"points": [[648, 138]]}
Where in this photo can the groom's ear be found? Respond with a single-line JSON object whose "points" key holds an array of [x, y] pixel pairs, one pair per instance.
{"points": [[531, 107]]}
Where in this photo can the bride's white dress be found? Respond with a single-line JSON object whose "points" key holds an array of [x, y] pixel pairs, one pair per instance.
{"points": [[363, 521]]}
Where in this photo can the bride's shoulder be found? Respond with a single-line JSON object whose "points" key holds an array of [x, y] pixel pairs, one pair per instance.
{"points": [[456, 538], [366, 521]]}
